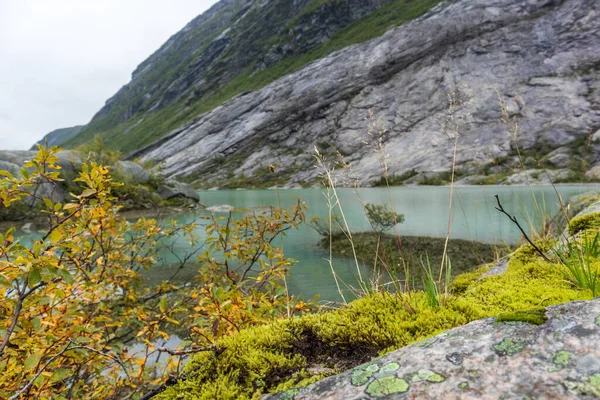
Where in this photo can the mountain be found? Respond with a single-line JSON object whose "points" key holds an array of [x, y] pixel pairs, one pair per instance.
{"points": [[543, 58], [59, 137], [250, 84], [234, 47]]}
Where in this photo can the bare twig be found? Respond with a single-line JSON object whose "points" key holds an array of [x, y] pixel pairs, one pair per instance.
{"points": [[514, 220], [186, 352], [102, 353]]}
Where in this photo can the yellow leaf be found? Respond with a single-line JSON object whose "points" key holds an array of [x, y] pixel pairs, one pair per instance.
{"points": [[55, 236]]}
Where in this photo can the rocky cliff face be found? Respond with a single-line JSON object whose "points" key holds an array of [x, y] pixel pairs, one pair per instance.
{"points": [[235, 46], [542, 56]]}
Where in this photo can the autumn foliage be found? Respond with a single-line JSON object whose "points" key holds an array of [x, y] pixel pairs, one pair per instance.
{"points": [[74, 301]]}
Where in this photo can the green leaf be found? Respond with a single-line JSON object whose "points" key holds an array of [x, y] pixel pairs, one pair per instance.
{"points": [[36, 323], [34, 276], [70, 206], [88, 192], [31, 362], [44, 300], [60, 374], [163, 304], [65, 275], [60, 294]]}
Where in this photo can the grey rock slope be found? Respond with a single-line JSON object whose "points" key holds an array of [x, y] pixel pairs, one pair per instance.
{"points": [[59, 136], [231, 42], [483, 360], [543, 57]]}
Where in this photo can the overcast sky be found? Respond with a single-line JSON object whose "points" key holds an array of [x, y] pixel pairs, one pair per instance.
{"points": [[60, 60]]}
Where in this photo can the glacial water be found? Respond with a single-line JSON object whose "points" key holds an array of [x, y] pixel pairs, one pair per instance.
{"points": [[426, 214]]}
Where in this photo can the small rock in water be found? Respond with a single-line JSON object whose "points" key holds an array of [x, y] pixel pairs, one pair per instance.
{"points": [[220, 208]]}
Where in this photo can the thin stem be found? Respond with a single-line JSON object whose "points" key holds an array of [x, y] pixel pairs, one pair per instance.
{"points": [[337, 284], [514, 220], [444, 254]]}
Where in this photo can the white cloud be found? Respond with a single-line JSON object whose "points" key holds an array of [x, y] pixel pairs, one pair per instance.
{"points": [[60, 60]]}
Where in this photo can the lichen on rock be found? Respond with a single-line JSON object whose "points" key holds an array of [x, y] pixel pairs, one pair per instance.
{"points": [[508, 346], [387, 385]]}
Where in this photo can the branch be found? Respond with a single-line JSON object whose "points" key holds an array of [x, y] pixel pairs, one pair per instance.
{"points": [[174, 379], [186, 352], [107, 355], [12, 326], [30, 383], [17, 314], [514, 220]]}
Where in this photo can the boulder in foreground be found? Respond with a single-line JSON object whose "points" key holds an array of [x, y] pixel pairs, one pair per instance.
{"points": [[485, 359]]}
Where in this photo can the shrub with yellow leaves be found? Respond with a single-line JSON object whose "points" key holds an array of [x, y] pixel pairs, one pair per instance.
{"points": [[73, 301]]}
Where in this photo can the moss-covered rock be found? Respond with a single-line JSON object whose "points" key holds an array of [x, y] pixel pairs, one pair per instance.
{"points": [[536, 316], [584, 222], [484, 360], [279, 356]]}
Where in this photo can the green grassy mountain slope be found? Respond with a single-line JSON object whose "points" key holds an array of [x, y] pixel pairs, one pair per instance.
{"points": [[236, 46]]}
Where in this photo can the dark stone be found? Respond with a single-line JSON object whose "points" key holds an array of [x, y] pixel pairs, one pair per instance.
{"points": [[455, 358]]}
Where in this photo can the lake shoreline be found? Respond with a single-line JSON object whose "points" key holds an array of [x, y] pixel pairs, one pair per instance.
{"points": [[416, 252], [39, 221]]}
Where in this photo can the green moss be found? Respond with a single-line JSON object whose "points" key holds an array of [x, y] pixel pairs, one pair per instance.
{"points": [[442, 178], [460, 284], [493, 179], [391, 367], [363, 373], [588, 221], [289, 394], [395, 180], [536, 316], [427, 375], [276, 356]]}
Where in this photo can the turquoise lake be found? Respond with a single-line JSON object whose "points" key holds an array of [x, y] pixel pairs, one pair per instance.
{"points": [[426, 214]]}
